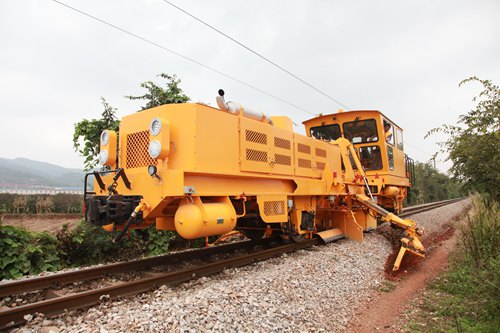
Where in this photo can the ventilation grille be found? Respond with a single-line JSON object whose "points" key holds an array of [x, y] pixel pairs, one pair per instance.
{"points": [[303, 163], [282, 159], [281, 143], [272, 208], [257, 137], [305, 149], [137, 150], [256, 155], [320, 152], [320, 165]]}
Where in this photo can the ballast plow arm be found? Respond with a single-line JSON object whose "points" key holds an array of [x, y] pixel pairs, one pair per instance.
{"points": [[412, 233]]}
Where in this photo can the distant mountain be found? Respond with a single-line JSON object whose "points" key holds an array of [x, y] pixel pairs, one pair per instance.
{"points": [[23, 173]]}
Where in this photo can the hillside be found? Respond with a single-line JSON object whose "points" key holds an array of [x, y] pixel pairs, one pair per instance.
{"points": [[23, 173]]}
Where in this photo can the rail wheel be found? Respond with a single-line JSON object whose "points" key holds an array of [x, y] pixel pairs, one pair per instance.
{"points": [[252, 227], [288, 233]]}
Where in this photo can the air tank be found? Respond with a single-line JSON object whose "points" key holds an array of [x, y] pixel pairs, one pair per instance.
{"points": [[200, 220]]}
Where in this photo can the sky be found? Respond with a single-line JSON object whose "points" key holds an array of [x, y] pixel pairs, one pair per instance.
{"points": [[405, 58]]}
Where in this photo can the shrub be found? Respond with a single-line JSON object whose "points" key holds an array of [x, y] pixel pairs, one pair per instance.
{"points": [[23, 253]]}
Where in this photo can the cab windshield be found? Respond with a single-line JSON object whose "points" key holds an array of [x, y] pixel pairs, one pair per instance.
{"points": [[326, 133], [360, 131]]}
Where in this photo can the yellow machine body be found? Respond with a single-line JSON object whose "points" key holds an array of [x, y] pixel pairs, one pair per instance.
{"points": [[214, 171]]}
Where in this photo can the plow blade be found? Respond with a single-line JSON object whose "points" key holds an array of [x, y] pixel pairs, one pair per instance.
{"points": [[331, 235]]}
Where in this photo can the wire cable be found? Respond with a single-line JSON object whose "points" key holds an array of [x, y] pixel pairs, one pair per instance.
{"points": [[182, 56], [257, 54]]}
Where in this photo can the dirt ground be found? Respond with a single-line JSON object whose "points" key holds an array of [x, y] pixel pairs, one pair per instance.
{"points": [[50, 223], [387, 311]]}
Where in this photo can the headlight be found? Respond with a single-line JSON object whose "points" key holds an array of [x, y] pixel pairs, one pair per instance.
{"points": [[104, 137], [155, 126], [154, 149], [103, 157]]}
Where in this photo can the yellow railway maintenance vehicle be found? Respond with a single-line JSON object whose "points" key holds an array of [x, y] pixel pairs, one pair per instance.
{"points": [[202, 171], [378, 142]]}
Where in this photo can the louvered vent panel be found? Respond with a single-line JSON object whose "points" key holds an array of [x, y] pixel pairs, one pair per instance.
{"points": [[137, 155], [272, 208], [257, 137], [303, 163], [281, 143], [320, 152], [256, 155], [282, 159], [305, 149]]}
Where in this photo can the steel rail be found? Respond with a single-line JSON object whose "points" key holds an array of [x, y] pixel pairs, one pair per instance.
{"points": [[16, 315], [41, 282], [427, 207]]}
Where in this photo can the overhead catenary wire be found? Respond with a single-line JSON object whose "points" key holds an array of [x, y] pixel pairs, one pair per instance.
{"points": [[181, 56], [258, 54]]}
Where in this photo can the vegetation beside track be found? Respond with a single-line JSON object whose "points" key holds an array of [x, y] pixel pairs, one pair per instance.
{"points": [[467, 297], [23, 252]]}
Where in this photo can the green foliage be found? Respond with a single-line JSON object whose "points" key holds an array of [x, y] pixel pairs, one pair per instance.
{"points": [[89, 131], [432, 185], [23, 253], [467, 297], [157, 95], [86, 245], [473, 146], [158, 241]]}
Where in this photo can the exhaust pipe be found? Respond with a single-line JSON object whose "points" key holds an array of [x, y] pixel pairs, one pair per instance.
{"points": [[236, 109]]}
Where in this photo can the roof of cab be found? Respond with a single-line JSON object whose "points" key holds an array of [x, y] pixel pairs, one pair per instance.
{"points": [[347, 113]]}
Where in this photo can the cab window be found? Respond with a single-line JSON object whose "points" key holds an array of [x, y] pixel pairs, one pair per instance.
{"points": [[399, 139], [326, 133], [389, 132], [390, 156], [361, 131], [370, 157]]}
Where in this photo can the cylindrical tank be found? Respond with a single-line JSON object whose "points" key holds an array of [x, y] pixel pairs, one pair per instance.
{"points": [[390, 191], [190, 224]]}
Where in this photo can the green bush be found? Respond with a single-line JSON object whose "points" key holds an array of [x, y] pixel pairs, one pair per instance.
{"points": [[22, 253], [86, 245], [158, 241], [467, 298]]}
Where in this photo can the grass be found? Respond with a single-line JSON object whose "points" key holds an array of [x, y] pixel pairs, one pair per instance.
{"points": [[467, 297], [387, 286]]}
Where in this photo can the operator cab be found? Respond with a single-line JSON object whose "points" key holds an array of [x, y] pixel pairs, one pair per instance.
{"points": [[378, 142]]}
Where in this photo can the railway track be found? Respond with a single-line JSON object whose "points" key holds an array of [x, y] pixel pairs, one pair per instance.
{"points": [[426, 207], [56, 303]]}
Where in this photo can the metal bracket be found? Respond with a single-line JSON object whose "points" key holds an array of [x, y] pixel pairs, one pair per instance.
{"points": [[189, 190]]}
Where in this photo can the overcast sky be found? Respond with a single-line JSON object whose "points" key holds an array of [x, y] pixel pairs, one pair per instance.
{"points": [[404, 58]]}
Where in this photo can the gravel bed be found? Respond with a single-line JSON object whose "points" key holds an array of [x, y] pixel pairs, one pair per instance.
{"points": [[315, 290]]}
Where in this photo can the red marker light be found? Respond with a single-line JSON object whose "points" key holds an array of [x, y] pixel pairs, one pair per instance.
{"points": [[335, 174], [376, 176]]}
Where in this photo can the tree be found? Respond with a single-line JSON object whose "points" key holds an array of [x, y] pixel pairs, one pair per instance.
{"points": [[473, 145], [432, 185], [157, 95], [89, 131]]}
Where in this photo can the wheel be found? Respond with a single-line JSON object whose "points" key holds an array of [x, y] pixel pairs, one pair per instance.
{"points": [[254, 234], [252, 227], [288, 233]]}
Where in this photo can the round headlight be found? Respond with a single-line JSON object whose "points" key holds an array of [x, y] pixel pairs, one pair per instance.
{"points": [[104, 137], [154, 149], [103, 157], [155, 126]]}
